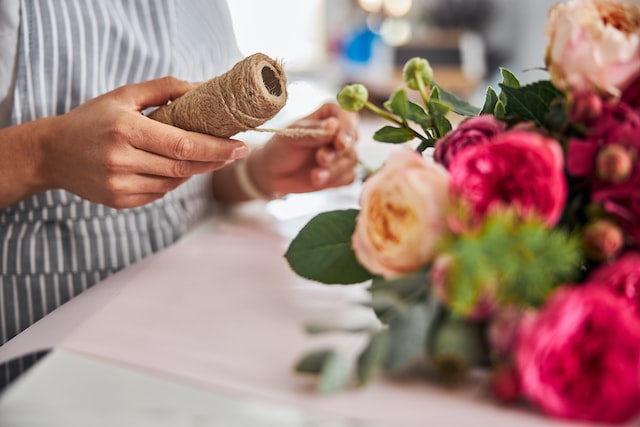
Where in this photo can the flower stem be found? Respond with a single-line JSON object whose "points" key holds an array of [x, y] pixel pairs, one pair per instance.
{"points": [[386, 115]]}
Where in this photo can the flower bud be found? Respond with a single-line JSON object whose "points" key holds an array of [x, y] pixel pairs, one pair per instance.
{"points": [[603, 240], [614, 164], [585, 108], [353, 97], [417, 68], [504, 384]]}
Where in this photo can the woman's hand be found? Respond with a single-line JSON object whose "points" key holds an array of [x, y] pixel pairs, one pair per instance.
{"points": [[107, 151], [309, 163]]}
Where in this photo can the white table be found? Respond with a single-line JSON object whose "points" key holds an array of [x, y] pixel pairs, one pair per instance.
{"points": [[153, 354]]}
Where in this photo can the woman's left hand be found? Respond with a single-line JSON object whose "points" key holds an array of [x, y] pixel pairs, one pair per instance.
{"points": [[288, 164]]}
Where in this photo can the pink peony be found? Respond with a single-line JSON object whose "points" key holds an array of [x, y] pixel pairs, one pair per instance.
{"points": [[473, 131], [621, 276], [579, 358], [403, 215], [593, 45], [614, 181], [519, 169]]}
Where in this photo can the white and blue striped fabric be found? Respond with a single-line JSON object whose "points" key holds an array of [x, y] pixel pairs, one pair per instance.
{"points": [[55, 245]]}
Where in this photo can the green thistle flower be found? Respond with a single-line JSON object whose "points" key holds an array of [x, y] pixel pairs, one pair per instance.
{"points": [[417, 73], [353, 97]]}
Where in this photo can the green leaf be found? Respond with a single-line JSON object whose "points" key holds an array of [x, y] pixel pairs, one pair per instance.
{"points": [[393, 135], [412, 285], [322, 250], [509, 79], [500, 111], [416, 114], [490, 101], [398, 103], [332, 367], [312, 363], [458, 105], [408, 334], [314, 329], [438, 108], [531, 102], [426, 144], [438, 111], [335, 374], [372, 357]]}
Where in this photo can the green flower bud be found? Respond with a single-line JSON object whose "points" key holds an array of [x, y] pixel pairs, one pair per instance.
{"points": [[353, 97], [417, 68]]}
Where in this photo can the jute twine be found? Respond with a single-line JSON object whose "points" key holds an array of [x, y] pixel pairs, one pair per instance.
{"points": [[250, 93]]}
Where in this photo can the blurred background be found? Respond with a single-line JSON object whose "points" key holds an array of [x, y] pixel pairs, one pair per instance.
{"points": [[327, 43]]}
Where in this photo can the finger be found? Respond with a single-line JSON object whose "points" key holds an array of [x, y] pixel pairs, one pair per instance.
{"points": [[347, 133], [323, 178], [154, 92], [142, 162], [178, 144], [326, 156], [341, 171], [135, 190]]}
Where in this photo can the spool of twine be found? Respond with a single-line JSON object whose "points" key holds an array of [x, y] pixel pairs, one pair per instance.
{"points": [[250, 93]]}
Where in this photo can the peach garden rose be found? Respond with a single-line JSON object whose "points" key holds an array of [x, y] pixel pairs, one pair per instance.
{"points": [[402, 216]]}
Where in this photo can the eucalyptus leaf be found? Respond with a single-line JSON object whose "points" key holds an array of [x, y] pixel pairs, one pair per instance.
{"points": [[413, 285], [322, 250], [334, 375], [393, 135], [408, 334], [372, 358], [312, 363], [314, 329]]}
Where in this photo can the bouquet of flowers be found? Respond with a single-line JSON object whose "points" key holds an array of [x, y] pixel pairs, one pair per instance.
{"points": [[514, 245]]}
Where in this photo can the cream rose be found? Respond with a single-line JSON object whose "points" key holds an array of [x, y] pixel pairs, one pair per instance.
{"points": [[402, 216], [593, 45]]}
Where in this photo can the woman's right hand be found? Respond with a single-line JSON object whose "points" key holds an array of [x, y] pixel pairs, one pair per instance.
{"points": [[107, 151]]}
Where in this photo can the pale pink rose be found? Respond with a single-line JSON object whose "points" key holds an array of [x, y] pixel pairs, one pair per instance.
{"points": [[402, 216], [579, 357], [593, 45], [523, 170]]}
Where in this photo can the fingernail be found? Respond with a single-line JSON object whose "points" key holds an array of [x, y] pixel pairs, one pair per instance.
{"points": [[348, 141], [323, 176], [239, 152]]}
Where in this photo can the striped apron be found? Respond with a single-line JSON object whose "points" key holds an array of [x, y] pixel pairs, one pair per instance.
{"points": [[55, 245]]}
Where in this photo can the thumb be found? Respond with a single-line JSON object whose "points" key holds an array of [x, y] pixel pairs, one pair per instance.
{"points": [[155, 92]]}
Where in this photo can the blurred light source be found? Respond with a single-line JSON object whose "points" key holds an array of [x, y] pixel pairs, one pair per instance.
{"points": [[371, 6], [395, 31], [291, 30], [397, 8]]}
